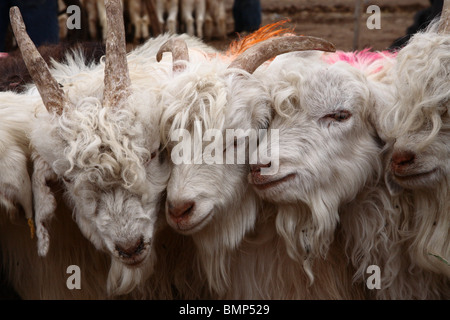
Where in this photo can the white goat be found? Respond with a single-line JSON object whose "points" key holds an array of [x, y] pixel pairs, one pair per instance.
{"points": [[15, 184], [139, 19], [328, 186], [212, 202], [417, 166], [104, 149], [215, 19], [29, 274], [62, 20], [190, 9], [35, 277], [167, 12], [90, 6], [174, 272]]}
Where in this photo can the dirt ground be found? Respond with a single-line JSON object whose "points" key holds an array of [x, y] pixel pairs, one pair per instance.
{"points": [[334, 20]]}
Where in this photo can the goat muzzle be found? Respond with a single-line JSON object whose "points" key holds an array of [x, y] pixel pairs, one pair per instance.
{"points": [[180, 210], [131, 253], [401, 160]]}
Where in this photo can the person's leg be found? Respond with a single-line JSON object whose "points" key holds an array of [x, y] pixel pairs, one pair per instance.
{"points": [[237, 15], [41, 20], [436, 7], [247, 15], [253, 14], [4, 22]]}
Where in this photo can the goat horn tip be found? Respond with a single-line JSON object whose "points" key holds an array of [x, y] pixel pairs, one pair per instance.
{"points": [[159, 56]]}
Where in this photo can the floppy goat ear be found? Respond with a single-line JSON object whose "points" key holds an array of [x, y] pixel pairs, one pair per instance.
{"points": [[44, 201], [15, 184]]}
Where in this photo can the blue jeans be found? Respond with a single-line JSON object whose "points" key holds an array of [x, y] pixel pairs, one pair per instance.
{"points": [[40, 17], [247, 15]]}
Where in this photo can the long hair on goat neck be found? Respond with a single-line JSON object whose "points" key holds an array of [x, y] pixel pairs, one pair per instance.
{"points": [[420, 122], [42, 278], [263, 268], [332, 153], [208, 96]]}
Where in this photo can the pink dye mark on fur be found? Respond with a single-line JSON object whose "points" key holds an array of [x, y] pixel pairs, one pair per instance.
{"points": [[360, 59]]}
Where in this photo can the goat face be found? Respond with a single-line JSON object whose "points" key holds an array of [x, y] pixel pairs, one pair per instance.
{"points": [[415, 164], [418, 125], [200, 192], [101, 145], [109, 162], [328, 149]]}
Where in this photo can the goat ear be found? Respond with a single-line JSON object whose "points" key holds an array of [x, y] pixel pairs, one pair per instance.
{"points": [[394, 188], [15, 184], [44, 201]]}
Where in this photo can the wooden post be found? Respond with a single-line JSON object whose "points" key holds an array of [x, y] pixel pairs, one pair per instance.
{"points": [[151, 8], [357, 24]]}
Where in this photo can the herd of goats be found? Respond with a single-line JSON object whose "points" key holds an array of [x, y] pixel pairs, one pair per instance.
{"points": [[88, 176], [205, 19]]}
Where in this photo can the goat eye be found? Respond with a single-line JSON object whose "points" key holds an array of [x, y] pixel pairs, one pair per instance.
{"points": [[340, 116], [153, 154]]}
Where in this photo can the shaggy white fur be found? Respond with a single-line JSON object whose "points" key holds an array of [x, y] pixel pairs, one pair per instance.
{"points": [[15, 184], [225, 209], [239, 250], [329, 187], [418, 126], [113, 175], [32, 276]]}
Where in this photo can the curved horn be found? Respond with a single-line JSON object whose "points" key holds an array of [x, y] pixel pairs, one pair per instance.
{"points": [[52, 95], [444, 25], [253, 57], [117, 78], [179, 50]]}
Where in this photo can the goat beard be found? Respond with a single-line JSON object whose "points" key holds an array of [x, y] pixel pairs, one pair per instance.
{"points": [[123, 279], [431, 228], [306, 237]]}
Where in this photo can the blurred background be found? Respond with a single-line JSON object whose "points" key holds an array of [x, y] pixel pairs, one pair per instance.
{"points": [[334, 20]]}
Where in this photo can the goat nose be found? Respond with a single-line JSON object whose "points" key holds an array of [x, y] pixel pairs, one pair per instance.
{"points": [[130, 250], [403, 158], [182, 209], [256, 168]]}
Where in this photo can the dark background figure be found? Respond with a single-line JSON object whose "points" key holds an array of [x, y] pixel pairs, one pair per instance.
{"points": [[247, 15], [77, 35], [40, 17], [421, 20]]}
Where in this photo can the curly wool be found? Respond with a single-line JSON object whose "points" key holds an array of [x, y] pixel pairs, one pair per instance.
{"points": [[104, 147], [420, 68]]}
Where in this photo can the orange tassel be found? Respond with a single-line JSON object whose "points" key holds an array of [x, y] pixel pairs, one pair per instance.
{"points": [[31, 225], [267, 32]]}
